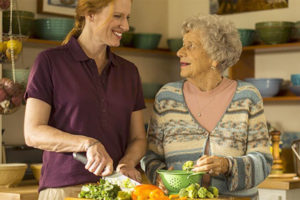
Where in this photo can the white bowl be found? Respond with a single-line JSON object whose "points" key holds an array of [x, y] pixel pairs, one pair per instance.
{"points": [[12, 174]]}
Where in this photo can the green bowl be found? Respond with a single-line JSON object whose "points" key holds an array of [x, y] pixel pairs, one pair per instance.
{"points": [[274, 32], [146, 40], [174, 44], [26, 22], [247, 36], [53, 28], [174, 180], [127, 39], [20, 74], [296, 31], [150, 89]]}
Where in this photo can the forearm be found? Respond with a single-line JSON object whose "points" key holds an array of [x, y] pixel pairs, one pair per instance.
{"points": [[51, 139], [135, 151]]}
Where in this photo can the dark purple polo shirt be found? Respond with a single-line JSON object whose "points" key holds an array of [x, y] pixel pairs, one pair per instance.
{"points": [[84, 103]]}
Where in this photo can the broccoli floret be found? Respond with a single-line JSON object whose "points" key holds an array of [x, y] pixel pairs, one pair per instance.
{"points": [[188, 165], [183, 193], [202, 192], [123, 195], [192, 190], [209, 195], [214, 191]]}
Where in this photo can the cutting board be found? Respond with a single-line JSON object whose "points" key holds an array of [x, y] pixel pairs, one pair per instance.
{"points": [[219, 198]]}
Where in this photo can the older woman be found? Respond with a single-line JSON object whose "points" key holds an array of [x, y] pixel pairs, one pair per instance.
{"points": [[217, 122]]}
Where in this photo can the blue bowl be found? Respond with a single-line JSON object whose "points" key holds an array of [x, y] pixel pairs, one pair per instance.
{"points": [[295, 89], [268, 87], [247, 36], [295, 78]]}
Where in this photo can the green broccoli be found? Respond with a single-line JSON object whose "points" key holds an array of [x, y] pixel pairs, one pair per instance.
{"points": [[202, 192], [209, 195], [188, 165], [183, 193], [192, 190], [123, 195], [214, 191]]}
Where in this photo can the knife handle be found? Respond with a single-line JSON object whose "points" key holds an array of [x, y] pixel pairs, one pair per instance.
{"points": [[80, 157]]}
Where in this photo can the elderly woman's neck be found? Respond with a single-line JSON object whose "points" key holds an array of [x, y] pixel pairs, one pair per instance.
{"points": [[207, 82]]}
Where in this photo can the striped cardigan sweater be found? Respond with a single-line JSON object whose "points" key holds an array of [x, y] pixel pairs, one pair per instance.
{"points": [[241, 135]]}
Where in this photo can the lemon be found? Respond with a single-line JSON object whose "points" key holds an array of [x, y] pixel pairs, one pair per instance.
{"points": [[15, 45]]}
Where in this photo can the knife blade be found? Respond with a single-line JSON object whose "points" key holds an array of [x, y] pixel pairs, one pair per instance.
{"points": [[115, 177]]}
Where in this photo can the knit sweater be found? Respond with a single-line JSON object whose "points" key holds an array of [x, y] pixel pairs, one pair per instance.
{"points": [[241, 135]]}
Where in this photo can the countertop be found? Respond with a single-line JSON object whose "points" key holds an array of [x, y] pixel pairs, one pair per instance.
{"points": [[26, 190], [219, 198], [280, 183]]}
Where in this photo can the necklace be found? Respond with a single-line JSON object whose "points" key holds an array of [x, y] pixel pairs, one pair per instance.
{"points": [[210, 100]]}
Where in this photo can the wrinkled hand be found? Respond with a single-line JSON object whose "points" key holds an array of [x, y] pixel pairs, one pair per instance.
{"points": [[214, 165], [159, 182], [99, 162], [131, 172]]}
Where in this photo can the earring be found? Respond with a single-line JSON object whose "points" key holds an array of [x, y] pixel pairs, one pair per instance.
{"points": [[213, 68]]}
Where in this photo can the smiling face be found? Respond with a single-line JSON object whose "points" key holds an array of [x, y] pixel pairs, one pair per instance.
{"points": [[108, 25], [194, 61]]}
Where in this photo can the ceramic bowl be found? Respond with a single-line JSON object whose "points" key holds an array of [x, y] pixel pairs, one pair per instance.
{"points": [[150, 89], [296, 31], [53, 28], [12, 174], [174, 44], [146, 40], [26, 22], [268, 87], [36, 170], [247, 36], [295, 89], [295, 79], [274, 32]]}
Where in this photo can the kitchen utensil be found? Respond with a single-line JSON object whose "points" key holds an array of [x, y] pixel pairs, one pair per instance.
{"points": [[11, 174], [174, 180], [268, 87], [296, 150], [115, 177]]}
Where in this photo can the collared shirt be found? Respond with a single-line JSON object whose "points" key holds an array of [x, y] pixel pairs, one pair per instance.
{"points": [[84, 103]]}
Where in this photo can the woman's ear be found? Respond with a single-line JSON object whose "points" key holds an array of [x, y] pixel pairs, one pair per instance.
{"points": [[90, 17]]}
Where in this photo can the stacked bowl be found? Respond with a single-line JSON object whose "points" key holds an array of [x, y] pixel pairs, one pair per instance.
{"points": [[274, 32], [174, 44], [295, 87], [268, 87], [11, 174], [146, 40], [26, 22], [53, 28], [247, 36]]}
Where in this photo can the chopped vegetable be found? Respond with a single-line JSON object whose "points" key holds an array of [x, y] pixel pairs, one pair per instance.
{"points": [[193, 190], [188, 165], [202, 192], [104, 190], [122, 195], [209, 195], [183, 193], [214, 191]]}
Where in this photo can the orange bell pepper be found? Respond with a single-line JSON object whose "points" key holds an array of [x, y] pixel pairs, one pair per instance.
{"points": [[148, 192]]}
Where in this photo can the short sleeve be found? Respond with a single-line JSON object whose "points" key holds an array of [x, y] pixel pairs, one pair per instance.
{"points": [[39, 84], [139, 102]]}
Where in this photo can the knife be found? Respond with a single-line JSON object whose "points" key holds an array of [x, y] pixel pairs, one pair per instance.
{"points": [[115, 177]]}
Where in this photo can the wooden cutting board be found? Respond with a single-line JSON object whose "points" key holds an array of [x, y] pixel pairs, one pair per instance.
{"points": [[219, 198]]}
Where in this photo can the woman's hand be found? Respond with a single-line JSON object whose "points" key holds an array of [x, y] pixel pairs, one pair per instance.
{"points": [[99, 162], [131, 172], [159, 182], [214, 165]]}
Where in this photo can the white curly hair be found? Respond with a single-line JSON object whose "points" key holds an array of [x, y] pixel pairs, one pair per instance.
{"points": [[219, 37]]}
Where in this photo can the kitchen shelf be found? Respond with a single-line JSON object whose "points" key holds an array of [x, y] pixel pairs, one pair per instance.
{"points": [[115, 49], [243, 69]]}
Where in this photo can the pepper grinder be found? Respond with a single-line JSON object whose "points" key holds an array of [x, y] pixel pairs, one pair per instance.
{"points": [[277, 167]]}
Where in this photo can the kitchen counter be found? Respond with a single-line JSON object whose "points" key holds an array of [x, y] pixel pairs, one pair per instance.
{"points": [[219, 198], [26, 190], [279, 188]]}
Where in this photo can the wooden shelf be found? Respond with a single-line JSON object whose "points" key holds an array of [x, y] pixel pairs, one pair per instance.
{"points": [[272, 46], [149, 100], [281, 98], [115, 49]]}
